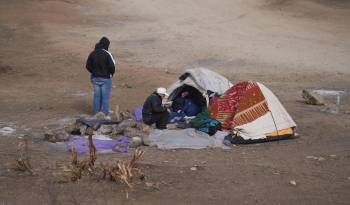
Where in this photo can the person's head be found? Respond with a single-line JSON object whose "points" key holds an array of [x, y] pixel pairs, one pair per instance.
{"points": [[161, 92], [103, 43], [184, 94]]}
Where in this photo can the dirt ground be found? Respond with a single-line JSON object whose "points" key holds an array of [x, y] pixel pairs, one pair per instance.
{"points": [[288, 45]]}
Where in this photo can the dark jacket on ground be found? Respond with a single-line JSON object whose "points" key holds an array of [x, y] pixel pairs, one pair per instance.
{"points": [[100, 62], [152, 105]]}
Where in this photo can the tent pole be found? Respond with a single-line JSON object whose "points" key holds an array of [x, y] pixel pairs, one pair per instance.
{"points": [[274, 122]]}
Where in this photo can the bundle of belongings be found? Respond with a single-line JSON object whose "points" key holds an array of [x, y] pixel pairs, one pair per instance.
{"points": [[247, 112]]}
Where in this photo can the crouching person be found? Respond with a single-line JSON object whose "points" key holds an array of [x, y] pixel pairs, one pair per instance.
{"points": [[153, 111]]}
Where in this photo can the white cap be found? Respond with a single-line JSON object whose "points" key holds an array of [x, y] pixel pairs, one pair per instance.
{"points": [[162, 91]]}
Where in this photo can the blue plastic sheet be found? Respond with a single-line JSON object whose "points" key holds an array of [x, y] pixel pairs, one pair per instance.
{"points": [[81, 145], [137, 114]]}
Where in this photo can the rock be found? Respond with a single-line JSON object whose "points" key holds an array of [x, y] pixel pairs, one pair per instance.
{"points": [[146, 128], [126, 85], [117, 131], [83, 129], [122, 127], [7, 130], [135, 142], [193, 168], [152, 186], [125, 115], [73, 128], [59, 135], [316, 158], [128, 123], [105, 129], [292, 182], [312, 98], [333, 155], [171, 126], [134, 132], [100, 115], [311, 157]]}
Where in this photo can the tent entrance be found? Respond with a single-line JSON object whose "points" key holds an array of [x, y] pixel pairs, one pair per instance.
{"points": [[194, 94]]}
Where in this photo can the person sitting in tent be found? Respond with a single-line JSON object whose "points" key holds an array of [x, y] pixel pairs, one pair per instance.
{"points": [[179, 103], [177, 112], [183, 106], [153, 111]]}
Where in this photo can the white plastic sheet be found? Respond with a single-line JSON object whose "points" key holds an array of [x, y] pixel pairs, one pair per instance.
{"points": [[187, 138]]}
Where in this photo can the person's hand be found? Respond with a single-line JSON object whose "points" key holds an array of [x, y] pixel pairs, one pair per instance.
{"points": [[168, 104]]}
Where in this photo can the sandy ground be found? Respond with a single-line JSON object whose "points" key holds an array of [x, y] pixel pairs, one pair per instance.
{"points": [[287, 45]]}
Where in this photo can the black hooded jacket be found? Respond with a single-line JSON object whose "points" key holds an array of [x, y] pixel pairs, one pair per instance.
{"points": [[152, 105], [100, 62]]}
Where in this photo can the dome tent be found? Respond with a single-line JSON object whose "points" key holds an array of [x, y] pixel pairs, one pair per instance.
{"points": [[253, 112], [200, 82]]}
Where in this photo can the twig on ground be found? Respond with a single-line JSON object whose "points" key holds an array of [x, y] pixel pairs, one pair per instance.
{"points": [[22, 162]]}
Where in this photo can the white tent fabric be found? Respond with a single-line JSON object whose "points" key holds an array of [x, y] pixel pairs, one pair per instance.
{"points": [[203, 80], [276, 119]]}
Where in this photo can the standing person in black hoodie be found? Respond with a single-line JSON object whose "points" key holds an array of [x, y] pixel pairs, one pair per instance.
{"points": [[153, 111], [101, 65]]}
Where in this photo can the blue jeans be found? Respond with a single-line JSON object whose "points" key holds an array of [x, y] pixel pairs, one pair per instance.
{"points": [[102, 91]]}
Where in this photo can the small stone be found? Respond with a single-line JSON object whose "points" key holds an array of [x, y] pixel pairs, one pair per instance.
{"points": [[100, 115], [56, 136], [83, 129], [193, 168], [312, 98], [321, 159], [146, 128], [134, 132], [292, 182], [276, 173], [128, 123], [125, 85], [106, 129], [152, 186], [125, 115], [7, 130], [135, 142], [171, 126], [333, 155]]}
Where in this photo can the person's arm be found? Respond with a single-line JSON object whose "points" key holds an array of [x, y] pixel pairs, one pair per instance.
{"points": [[157, 105], [89, 65], [111, 63]]}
